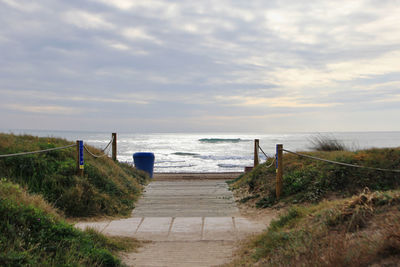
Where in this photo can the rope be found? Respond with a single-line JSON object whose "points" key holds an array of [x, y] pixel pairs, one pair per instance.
{"points": [[104, 149], [341, 163], [35, 152], [263, 152], [93, 155], [272, 163], [267, 157]]}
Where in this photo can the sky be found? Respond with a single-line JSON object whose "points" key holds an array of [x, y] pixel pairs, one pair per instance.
{"points": [[200, 66]]}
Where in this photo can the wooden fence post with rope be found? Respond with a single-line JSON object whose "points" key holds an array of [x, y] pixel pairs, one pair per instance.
{"points": [[279, 170], [79, 157], [256, 159], [114, 146]]}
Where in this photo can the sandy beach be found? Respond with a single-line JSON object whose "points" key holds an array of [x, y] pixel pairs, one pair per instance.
{"points": [[196, 176]]}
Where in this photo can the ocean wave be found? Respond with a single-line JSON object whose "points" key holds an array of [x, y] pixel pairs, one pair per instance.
{"points": [[230, 166], [221, 140], [213, 157], [169, 161], [174, 166], [185, 154]]}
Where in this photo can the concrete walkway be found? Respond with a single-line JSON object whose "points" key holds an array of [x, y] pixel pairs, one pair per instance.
{"points": [[186, 198], [191, 223]]}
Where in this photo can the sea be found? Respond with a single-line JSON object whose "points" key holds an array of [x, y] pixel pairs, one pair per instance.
{"points": [[213, 152]]}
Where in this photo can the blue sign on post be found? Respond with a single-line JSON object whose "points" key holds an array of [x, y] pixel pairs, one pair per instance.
{"points": [[276, 158], [81, 163]]}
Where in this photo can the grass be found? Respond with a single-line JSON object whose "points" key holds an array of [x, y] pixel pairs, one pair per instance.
{"points": [[107, 187], [33, 233], [308, 180], [336, 215], [326, 143], [357, 231]]}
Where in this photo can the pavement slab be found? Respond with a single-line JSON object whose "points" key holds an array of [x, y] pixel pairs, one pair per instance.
{"points": [[190, 223], [186, 228], [219, 228], [179, 228], [154, 228], [123, 227]]}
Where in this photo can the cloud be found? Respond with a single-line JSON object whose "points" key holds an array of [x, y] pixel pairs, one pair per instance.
{"points": [[364, 68], [129, 4], [337, 71], [222, 119], [124, 47], [119, 46], [140, 34], [51, 110], [149, 8], [274, 102], [87, 20], [25, 6], [121, 4], [205, 59], [137, 98]]}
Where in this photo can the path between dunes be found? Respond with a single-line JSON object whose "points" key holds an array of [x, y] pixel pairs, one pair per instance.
{"points": [[189, 223]]}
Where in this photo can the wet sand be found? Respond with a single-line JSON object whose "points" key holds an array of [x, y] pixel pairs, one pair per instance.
{"points": [[196, 176]]}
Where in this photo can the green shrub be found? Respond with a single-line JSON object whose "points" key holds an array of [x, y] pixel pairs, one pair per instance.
{"points": [[107, 187], [309, 180], [288, 218], [32, 236]]}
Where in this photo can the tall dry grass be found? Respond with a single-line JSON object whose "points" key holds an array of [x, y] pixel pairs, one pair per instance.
{"points": [[359, 231]]}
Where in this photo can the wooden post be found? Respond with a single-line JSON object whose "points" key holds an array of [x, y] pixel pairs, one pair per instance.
{"points": [[256, 144], [279, 170], [114, 146], [79, 158]]}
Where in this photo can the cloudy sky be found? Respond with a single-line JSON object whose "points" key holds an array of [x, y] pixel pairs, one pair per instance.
{"points": [[200, 66]]}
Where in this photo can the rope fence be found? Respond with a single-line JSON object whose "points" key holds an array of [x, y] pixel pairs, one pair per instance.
{"points": [[340, 163], [109, 143], [93, 155], [273, 158], [80, 147], [272, 163], [102, 150], [35, 152], [263, 152], [278, 159]]}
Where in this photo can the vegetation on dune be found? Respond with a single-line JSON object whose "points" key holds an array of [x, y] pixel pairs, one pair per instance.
{"points": [[308, 180], [32, 233], [330, 228], [107, 187], [325, 143], [358, 231]]}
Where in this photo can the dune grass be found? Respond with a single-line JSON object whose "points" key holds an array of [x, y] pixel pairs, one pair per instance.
{"points": [[326, 143], [33, 233], [357, 231], [107, 187], [347, 217], [308, 180]]}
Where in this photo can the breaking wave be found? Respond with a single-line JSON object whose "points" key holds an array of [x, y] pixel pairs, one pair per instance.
{"points": [[185, 154], [221, 140], [215, 157], [230, 166], [174, 166]]}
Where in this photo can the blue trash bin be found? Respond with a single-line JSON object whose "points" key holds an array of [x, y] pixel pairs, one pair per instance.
{"points": [[144, 161]]}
